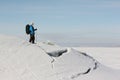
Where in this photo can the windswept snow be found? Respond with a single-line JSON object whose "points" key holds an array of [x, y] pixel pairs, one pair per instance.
{"points": [[109, 56], [20, 60]]}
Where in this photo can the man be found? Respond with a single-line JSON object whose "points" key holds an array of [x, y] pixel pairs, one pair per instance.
{"points": [[32, 33]]}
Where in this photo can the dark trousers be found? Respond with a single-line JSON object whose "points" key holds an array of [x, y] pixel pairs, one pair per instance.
{"points": [[32, 39]]}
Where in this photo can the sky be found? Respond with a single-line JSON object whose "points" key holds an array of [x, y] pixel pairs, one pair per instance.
{"points": [[82, 22]]}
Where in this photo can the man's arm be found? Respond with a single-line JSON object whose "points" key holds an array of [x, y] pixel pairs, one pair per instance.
{"points": [[35, 29]]}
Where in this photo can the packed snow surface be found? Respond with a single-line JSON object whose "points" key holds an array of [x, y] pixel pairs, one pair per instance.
{"points": [[20, 60], [109, 56]]}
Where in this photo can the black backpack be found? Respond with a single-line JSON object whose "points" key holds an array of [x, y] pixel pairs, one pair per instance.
{"points": [[27, 29]]}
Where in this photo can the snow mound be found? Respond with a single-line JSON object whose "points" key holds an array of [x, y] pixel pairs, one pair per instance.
{"points": [[20, 60]]}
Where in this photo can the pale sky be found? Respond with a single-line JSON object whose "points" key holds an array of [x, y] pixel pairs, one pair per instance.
{"points": [[77, 21]]}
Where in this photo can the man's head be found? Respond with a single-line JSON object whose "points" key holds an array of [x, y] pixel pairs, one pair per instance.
{"points": [[32, 23]]}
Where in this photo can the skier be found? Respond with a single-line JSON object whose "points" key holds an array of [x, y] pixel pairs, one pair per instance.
{"points": [[32, 33]]}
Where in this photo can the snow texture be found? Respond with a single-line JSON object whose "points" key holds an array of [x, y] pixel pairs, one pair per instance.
{"points": [[20, 60]]}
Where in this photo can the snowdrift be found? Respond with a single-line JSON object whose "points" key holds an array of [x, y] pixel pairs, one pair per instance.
{"points": [[20, 60]]}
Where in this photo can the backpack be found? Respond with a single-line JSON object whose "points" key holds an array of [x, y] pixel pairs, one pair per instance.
{"points": [[27, 29]]}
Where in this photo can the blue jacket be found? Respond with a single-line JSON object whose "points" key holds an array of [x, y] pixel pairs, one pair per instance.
{"points": [[32, 30]]}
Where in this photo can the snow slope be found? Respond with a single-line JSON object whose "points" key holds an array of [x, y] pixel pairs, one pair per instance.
{"points": [[20, 60], [109, 56]]}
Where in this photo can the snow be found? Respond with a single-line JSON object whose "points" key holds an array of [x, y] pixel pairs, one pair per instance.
{"points": [[20, 60], [109, 56]]}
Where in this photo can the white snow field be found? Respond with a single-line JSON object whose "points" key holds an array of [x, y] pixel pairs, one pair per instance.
{"points": [[109, 56], [20, 60]]}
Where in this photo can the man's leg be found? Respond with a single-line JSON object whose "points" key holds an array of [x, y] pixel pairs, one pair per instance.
{"points": [[33, 39], [30, 38]]}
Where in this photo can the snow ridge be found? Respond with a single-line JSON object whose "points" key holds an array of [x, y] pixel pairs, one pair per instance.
{"points": [[20, 60], [89, 69]]}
